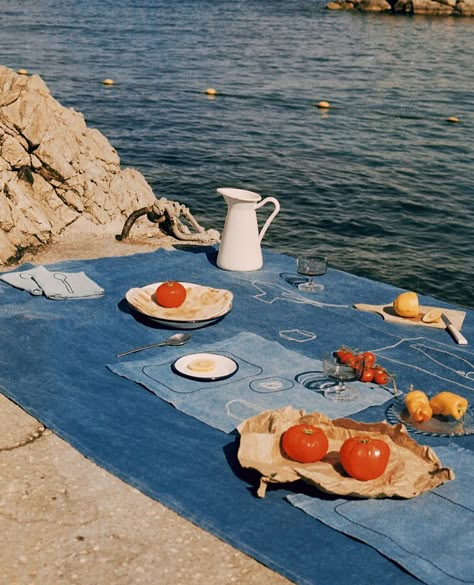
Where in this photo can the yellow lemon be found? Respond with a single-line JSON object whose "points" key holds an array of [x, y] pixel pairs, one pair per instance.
{"points": [[202, 365], [433, 316], [406, 304]]}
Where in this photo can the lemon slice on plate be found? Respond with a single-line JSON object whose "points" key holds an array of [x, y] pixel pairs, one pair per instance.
{"points": [[202, 365]]}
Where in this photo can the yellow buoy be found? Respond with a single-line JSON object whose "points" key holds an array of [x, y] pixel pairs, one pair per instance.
{"points": [[22, 72], [210, 91], [323, 105], [108, 81], [453, 119]]}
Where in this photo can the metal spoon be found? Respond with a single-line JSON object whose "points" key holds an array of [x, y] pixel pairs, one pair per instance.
{"points": [[175, 339]]}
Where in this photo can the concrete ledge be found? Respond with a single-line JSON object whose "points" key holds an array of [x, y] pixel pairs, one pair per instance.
{"points": [[64, 520]]}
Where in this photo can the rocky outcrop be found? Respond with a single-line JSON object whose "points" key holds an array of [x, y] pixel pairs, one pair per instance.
{"points": [[433, 7], [57, 176], [362, 5]]}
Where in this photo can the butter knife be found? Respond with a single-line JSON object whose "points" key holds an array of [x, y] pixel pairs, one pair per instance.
{"points": [[456, 334]]}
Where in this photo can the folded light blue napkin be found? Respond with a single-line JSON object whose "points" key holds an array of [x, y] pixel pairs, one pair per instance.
{"points": [[269, 377], [55, 285], [431, 536]]}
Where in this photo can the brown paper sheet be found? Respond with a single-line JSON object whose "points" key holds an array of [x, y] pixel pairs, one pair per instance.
{"points": [[412, 468], [387, 312]]}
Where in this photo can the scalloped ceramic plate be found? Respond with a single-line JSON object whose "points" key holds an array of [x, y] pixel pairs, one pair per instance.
{"points": [[203, 306]]}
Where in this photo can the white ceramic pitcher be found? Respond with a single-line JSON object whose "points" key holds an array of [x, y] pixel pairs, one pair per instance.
{"points": [[240, 243]]}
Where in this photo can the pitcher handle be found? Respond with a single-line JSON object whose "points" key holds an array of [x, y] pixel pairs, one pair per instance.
{"points": [[276, 203]]}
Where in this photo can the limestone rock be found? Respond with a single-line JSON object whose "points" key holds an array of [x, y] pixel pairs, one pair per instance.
{"points": [[340, 5], [431, 7], [465, 8], [57, 176], [374, 6]]}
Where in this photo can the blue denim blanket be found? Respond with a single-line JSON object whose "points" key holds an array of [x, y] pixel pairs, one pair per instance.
{"points": [[432, 536], [267, 379], [53, 364]]}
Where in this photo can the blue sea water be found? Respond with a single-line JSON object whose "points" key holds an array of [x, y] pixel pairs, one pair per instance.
{"points": [[381, 182]]}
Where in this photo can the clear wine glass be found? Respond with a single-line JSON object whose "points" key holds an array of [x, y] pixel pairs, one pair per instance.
{"points": [[311, 266], [341, 373]]}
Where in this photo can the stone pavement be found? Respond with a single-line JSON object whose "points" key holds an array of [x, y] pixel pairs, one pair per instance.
{"points": [[65, 521]]}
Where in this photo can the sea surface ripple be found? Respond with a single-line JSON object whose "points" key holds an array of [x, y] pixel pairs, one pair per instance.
{"points": [[380, 182]]}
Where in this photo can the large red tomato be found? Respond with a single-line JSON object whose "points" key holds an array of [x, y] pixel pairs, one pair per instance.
{"points": [[304, 443], [170, 294], [364, 457]]}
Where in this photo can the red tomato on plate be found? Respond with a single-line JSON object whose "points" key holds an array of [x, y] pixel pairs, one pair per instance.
{"points": [[305, 443], [170, 294], [364, 457]]}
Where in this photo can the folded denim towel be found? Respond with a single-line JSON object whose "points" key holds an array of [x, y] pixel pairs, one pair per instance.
{"points": [[55, 285]]}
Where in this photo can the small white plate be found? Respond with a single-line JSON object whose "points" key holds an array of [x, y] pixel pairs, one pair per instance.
{"points": [[224, 366]]}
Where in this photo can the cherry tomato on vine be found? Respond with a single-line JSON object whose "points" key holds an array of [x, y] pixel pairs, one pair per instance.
{"points": [[305, 443], [344, 355], [170, 294], [380, 377], [367, 374], [353, 362], [364, 457], [369, 358]]}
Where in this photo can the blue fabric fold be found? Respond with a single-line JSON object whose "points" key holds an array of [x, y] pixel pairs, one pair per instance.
{"points": [[431, 536], [269, 377], [192, 467], [56, 285]]}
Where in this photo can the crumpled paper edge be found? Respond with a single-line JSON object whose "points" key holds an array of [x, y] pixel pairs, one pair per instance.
{"points": [[412, 470]]}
